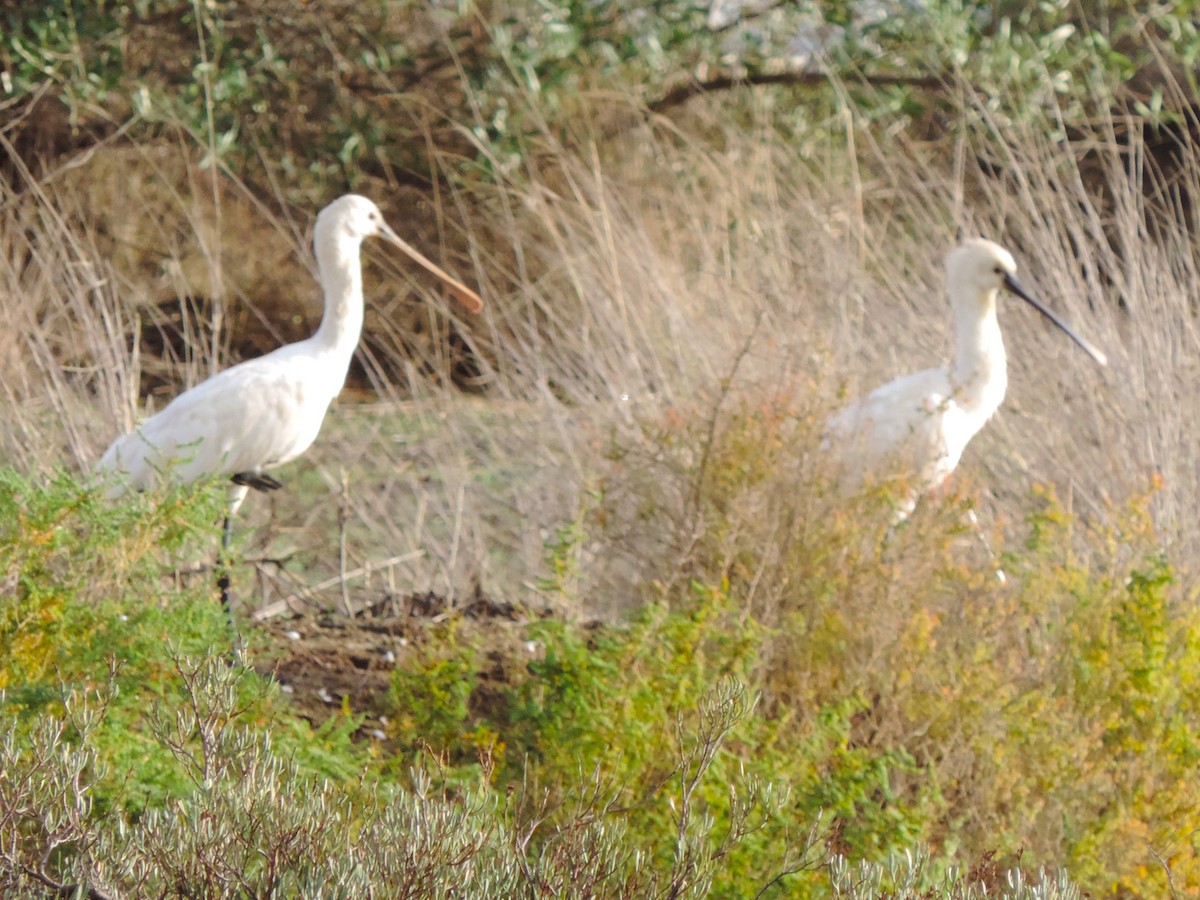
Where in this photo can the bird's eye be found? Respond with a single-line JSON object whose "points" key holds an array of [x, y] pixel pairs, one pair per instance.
{"points": [[998, 270]]}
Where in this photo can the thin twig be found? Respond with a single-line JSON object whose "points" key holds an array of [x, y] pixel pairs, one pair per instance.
{"points": [[342, 518], [726, 386], [805, 78], [287, 603]]}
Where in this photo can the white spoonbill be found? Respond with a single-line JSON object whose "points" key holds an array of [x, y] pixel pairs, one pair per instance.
{"points": [[266, 411], [923, 422]]}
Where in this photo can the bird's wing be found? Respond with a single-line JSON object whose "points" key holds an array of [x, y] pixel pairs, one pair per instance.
{"points": [[902, 422], [260, 413]]}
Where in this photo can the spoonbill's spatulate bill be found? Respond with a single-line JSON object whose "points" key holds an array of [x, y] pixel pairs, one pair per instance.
{"points": [[265, 412], [923, 422]]}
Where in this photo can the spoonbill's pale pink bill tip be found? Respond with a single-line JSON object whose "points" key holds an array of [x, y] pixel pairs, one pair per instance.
{"points": [[467, 297], [1087, 346]]}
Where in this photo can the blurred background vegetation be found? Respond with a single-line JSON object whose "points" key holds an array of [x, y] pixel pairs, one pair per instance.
{"points": [[566, 601]]}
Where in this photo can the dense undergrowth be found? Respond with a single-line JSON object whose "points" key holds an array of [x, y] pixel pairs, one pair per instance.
{"points": [[894, 695]]}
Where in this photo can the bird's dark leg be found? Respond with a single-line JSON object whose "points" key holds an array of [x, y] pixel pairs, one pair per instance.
{"points": [[223, 566], [223, 584], [242, 482]]}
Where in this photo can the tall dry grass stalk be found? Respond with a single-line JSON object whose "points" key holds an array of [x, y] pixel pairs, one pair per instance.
{"points": [[669, 273], [64, 327]]}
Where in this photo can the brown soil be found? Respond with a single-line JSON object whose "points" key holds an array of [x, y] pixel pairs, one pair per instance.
{"points": [[328, 662]]}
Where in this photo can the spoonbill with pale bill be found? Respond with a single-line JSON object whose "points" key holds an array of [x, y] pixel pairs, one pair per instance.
{"points": [[266, 411]]}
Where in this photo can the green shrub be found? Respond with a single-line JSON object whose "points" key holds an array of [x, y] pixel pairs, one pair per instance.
{"points": [[429, 698], [70, 561]]}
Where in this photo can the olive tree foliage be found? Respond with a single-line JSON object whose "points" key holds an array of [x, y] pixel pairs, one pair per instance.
{"points": [[301, 95]]}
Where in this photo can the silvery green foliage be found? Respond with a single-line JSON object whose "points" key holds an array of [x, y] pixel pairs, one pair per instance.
{"points": [[907, 877], [45, 806], [255, 825]]}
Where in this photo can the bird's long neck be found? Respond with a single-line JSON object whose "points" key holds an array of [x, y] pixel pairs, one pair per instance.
{"points": [[980, 367], [341, 277]]}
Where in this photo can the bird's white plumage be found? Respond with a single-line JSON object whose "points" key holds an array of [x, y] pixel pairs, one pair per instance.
{"points": [[874, 430], [256, 415], [920, 424], [267, 411]]}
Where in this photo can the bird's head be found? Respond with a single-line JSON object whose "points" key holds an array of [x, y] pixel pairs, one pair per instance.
{"points": [[355, 218], [352, 216], [978, 269]]}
